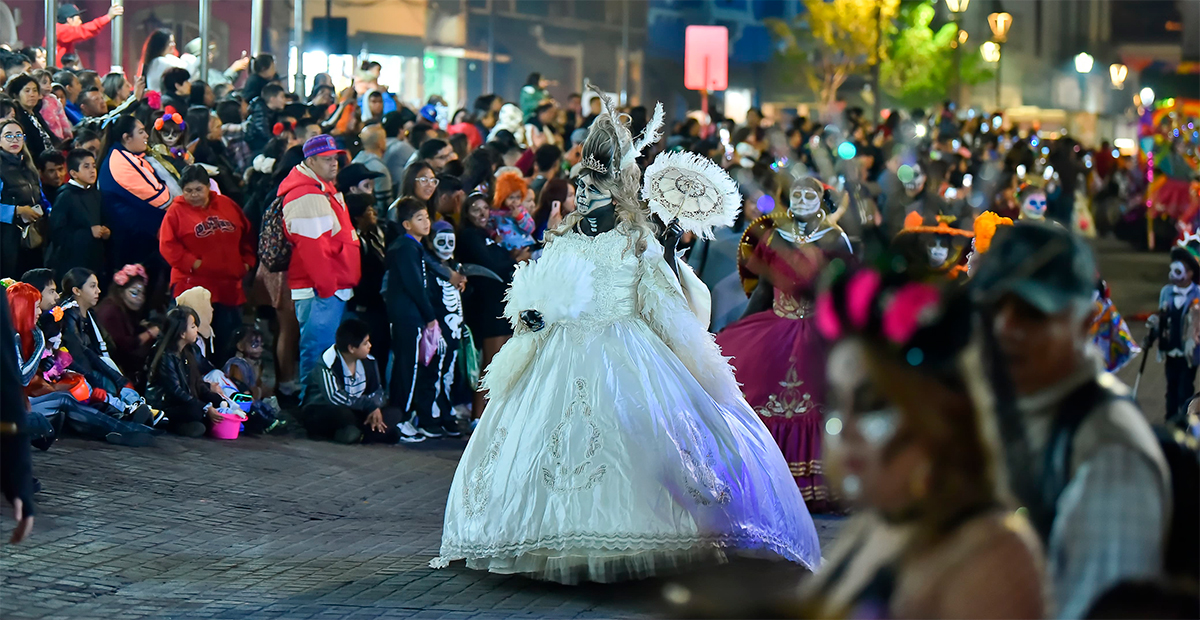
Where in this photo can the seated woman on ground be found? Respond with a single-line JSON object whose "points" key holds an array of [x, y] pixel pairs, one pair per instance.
{"points": [[87, 343], [121, 314]]}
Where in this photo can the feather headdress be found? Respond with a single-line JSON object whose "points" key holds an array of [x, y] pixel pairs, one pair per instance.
{"points": [[610, 147]]}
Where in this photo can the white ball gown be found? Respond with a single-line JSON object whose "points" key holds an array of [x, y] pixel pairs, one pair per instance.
{"points": [[616, 443]]}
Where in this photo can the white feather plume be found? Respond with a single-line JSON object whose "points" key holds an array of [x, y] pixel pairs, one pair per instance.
{"points": [[509, 364], [651, 135], [559, 286], [693, 190]]}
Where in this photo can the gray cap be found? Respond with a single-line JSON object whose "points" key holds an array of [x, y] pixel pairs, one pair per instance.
{"points": [[1044, 264]]}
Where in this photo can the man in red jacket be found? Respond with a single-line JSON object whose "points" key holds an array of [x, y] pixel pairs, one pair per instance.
{"points": [[326, 264], [71, 29]]}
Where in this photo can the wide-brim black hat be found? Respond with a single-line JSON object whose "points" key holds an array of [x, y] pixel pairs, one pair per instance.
{"points": [[1189, 261]]}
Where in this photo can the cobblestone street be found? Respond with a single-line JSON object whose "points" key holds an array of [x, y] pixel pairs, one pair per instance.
{"points": [[268, 528]]}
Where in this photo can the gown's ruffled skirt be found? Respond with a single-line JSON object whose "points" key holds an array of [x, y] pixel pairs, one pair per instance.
{"points": [[608, 461], [780, 362]]}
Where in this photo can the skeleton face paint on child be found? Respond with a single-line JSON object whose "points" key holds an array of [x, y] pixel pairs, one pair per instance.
{"points": [[938, 252], [171, 135], [1178, 274], [1033, 206], [443, 244]]}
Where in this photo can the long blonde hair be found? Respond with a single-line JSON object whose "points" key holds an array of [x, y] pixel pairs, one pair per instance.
{"points": [[608, 142]]}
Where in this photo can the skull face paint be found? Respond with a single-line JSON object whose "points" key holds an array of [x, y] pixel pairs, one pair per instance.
{"points": [[938, 253], [804, 200], [1178, 274], [443, 244], [1033, 206], [589, 196]]}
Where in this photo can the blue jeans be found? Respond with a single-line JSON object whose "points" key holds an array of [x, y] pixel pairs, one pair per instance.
{"points": [[79, 418], [319, 319]]}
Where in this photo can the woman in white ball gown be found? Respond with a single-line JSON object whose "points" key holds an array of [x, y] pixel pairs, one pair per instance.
{"points": [[616, 444]]}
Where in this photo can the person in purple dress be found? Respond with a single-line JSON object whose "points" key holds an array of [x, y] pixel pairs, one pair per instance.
{"points": [[778, 356]]}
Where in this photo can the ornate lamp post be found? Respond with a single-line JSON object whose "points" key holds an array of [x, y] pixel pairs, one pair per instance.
{"points": [[1083, 66], [1118, 73], [1000, 24], [957, 8]]}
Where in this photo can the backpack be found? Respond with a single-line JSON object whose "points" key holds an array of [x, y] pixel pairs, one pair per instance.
{"points": [[1180, 556], [274, 249]]}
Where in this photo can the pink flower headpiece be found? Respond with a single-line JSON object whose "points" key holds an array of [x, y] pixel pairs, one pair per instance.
{"points": [[121, 278], [902, 310]]}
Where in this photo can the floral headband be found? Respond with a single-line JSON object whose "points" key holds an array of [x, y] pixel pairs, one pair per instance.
{"points": [[865, 301], [121, 278], [171, 115]]}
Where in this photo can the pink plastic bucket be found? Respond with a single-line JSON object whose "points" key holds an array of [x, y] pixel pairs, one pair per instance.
{"points": [[227, 428]]}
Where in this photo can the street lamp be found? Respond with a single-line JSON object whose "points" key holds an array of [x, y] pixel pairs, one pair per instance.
{"points": [[1083, 66], [1147, 96], [1084, 62], [957, 7], [1118, 73], [999, 23], [990, 51]]}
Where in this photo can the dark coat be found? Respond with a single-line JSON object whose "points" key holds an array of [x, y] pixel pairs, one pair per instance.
{"points": [[37, 134], [407, 296], [72, 245], [175, 390], [87, 352], [260, 125], [16, 468], [484, 307], [19, 187]]}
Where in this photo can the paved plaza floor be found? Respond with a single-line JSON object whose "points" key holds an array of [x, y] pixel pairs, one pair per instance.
{"points": [[274, 528]]}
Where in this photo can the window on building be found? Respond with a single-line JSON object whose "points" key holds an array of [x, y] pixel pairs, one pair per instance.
{"points": [[547, 8], [766, 9], [591, 10]]}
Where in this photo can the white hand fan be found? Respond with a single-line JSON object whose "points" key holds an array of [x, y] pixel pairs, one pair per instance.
{"points": [[692, 190]]}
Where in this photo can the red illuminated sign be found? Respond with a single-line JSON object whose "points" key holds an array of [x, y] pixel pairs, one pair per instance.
{"points": [[706, 58]]}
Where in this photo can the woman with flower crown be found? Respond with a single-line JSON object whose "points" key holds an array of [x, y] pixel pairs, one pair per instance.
{"points": [[777, 354], [616, 443]]}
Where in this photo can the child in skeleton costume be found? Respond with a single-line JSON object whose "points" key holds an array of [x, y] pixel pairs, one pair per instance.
{"points": [[776, 352], [616, 443], [447, 305], [1178, 326]]}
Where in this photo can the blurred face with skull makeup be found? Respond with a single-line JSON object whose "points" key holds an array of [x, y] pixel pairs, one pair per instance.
{"points": [[443, 244], [1033, 206], [804, 202]]}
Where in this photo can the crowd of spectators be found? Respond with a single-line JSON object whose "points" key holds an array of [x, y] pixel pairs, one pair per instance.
{"points": [[189, 222]]}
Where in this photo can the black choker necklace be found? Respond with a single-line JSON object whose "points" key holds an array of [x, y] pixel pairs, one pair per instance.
{"points": [[598, 221]]}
